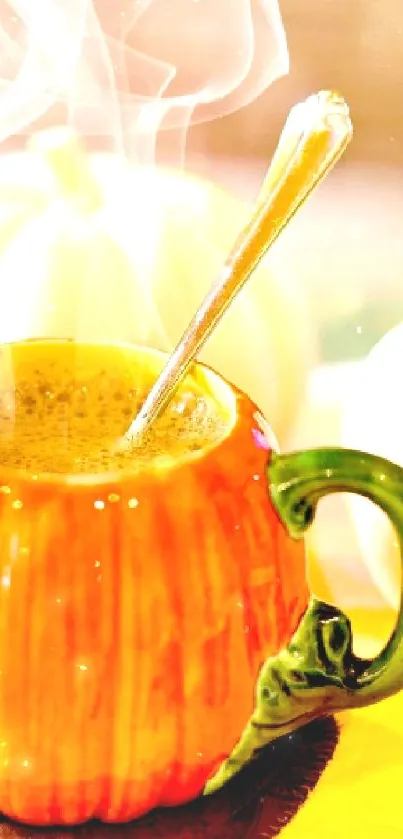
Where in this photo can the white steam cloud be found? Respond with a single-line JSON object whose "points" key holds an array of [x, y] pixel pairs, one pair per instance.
{"points": [[127, 68]]}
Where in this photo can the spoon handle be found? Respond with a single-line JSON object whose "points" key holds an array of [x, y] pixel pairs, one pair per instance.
{"points": [[315, 135]]}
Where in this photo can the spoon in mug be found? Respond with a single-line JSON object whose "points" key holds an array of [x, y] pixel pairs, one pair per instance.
{"points": [[314, 137]]}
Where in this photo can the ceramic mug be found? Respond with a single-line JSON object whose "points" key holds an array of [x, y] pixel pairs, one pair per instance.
{"points": [[156, 629]]}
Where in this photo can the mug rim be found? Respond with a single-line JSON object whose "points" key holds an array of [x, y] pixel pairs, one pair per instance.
{"points": [[225, 389]]}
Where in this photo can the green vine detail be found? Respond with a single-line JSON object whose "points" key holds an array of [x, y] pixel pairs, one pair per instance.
{"points": [[312, 672], [317, 673]]}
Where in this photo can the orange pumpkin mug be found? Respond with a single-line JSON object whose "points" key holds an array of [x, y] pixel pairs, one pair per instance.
{"points": [[156, 629]]}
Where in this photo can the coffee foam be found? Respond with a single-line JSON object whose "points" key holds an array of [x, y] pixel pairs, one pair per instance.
{"points": [[67, 418]]}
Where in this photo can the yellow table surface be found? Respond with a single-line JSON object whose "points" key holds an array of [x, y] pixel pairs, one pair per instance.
{"points": [[360, 793]]}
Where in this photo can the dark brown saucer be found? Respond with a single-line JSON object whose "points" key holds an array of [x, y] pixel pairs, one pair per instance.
{"points": [[259, 802]]}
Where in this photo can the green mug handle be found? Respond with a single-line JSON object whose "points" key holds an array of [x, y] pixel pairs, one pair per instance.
{"points": [[317, 673]]}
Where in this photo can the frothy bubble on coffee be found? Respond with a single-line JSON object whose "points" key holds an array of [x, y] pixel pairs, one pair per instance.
{"points": [[63, 418]]}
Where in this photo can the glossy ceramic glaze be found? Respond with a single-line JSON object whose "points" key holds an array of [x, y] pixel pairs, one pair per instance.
{"points": [[135, 613], [326, 781]]}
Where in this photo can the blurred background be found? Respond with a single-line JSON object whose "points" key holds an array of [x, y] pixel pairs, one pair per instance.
{"points": [[346, 244], [345, 249]]}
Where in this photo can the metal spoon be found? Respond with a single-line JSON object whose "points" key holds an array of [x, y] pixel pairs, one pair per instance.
{"points": [[315, 135]]}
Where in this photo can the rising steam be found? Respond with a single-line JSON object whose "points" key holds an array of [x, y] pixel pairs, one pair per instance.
{"points": [[128, 68]]}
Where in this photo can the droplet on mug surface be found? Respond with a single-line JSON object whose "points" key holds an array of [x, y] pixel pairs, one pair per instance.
{"points": [[264, 434]]}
